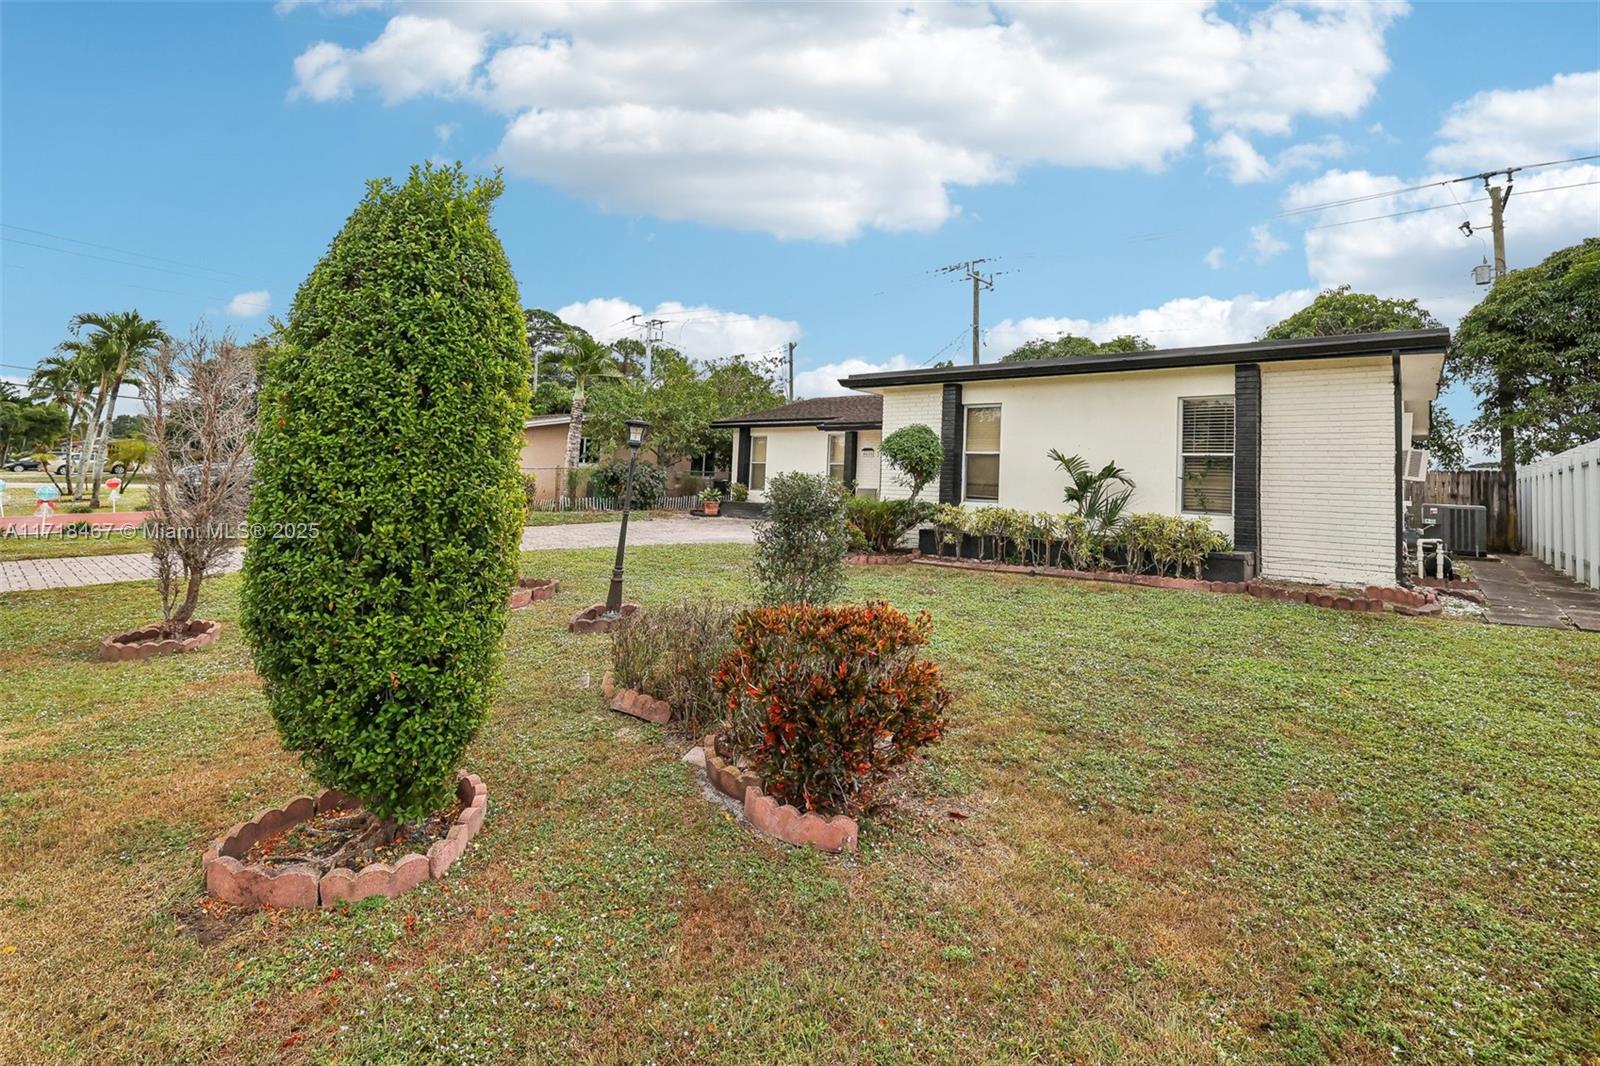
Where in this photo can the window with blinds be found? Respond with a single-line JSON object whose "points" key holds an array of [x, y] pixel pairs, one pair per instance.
{"points": [[1207, 455], [982, 446], [758, 464], [836, 457]]}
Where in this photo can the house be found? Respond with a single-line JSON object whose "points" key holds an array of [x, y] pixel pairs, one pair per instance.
{"points": [[544, 455], [834, 435], [1295, 449]]}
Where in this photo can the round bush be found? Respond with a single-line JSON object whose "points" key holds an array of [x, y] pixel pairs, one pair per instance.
{"points": [[609, 481], [914, 454], [374, 597]]}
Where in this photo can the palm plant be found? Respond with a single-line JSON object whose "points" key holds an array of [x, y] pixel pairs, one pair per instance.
{"points": [[66, 379], [123, 343], [587, 361], [1093, 492]]}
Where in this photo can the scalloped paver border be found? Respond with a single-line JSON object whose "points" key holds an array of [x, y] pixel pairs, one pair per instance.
{"points": [[147, 643], [528, 589], [592, 620], [638, 704], [257, 885], [782, 820]]}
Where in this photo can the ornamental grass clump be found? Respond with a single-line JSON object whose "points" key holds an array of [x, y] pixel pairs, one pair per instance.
{"points": [[376, 618], [824, 702], [672, 653]]}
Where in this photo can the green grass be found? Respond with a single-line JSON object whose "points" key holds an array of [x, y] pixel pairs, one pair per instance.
{"points": [[579, 518], [1195, 829], [63, 546]]}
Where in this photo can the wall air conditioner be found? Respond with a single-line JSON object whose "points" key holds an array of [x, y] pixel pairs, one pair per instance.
{"points": [[1416, 464]]}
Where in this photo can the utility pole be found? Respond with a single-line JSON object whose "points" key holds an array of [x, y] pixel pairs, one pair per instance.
{"points": [[791, 346], [980, 282], [1498, 198], [652, 333]]}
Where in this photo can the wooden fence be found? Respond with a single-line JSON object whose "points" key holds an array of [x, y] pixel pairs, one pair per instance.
{"points": [[1479, 488], [1558, 510]]}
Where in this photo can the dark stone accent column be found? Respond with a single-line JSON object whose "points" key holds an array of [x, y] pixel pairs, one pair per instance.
{"points": [[742, 474], [1247, 461], [850, 444], [950, 439]]}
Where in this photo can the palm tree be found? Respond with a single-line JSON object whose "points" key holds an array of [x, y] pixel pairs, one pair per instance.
{"points": [[1100, 506], [124, 342], [65, 379], [588, 361]]}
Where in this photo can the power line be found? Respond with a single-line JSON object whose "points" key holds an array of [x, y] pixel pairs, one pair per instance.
{"points": [[106, 259], [1313, 208], [124, 251], [131, 285], [1458, 203]]}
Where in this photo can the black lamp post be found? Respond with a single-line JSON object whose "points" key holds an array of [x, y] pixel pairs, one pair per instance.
{"points": [[637, 427]]}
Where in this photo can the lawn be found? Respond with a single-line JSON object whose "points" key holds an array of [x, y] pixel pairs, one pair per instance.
{"points": [[579, 518], [65, 545], [1164, 828]]}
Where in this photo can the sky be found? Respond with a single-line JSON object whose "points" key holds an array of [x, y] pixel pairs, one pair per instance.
{"points": [[758, 174]]}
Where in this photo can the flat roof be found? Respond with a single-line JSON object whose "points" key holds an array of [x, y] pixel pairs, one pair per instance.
{"points": [[1413, 341]]}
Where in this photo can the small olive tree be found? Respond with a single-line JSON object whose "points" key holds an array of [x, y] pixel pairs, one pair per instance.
{"points": [[800, 546], [376, 618], [200, 397], [915, 455]]}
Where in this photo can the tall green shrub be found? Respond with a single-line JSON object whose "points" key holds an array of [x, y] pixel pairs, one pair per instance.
{"points": [[800, 547], [914, 454], [374, 601]]}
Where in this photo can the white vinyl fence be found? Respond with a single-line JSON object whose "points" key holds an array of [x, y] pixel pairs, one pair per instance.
{"points": [[1558, 511]]}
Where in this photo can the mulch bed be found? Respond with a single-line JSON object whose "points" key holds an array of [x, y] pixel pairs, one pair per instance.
{"points": [[320, 838]]}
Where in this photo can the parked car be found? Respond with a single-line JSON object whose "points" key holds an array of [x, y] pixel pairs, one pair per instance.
{"points": [[22, 462], [60, 466]]}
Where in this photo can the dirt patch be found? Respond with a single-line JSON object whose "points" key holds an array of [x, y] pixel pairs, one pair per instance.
{"points": [[211, 921], [338, 839]]}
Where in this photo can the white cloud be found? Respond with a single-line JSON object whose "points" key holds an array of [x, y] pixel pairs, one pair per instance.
{"points": [[1181, 323], [1421, 253], [1242, 164], [444, 131], [250, 304], [1264, 244], [1214, 258], [698, 331], [412, 56], [822, 121], [824, 380], [1505, 127]]}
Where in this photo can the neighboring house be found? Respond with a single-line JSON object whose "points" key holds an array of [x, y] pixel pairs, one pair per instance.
{"points": [[544, 455], [833, 435], [1295, 449]]}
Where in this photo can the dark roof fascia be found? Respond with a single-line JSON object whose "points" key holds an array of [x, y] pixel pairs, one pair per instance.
{"points": [[1356, 344], [737, 423], [833, 427]]}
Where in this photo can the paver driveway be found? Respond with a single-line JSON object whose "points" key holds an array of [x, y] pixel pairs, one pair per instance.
{"points": [[104, 569]]}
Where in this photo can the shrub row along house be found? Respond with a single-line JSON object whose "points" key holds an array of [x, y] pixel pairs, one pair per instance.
{"points": [[1296, 450]]}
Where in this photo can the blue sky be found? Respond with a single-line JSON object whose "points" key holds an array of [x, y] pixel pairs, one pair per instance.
{"points": [[767, 174]]}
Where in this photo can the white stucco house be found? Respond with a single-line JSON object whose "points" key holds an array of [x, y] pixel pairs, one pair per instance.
{"points": [[1295, 449]]}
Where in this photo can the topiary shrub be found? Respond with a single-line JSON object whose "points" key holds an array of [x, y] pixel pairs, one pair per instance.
{"points": [[800, 546], [376, 614], [914, 454], [825, 701], [609, 481], [672, 653]]}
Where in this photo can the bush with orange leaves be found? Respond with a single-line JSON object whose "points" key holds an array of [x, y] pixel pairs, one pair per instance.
{"points": [[824, 701]]}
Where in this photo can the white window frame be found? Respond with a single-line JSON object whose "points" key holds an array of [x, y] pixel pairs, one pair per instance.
{"points": [[1231, 455], [827, 457], [967, 452], [753, 487]]}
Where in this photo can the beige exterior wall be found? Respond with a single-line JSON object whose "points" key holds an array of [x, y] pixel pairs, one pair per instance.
{"points": [[805, 448], [1327, 471], [903, 407], [1131, 419], [544, 450], [868, 443]]}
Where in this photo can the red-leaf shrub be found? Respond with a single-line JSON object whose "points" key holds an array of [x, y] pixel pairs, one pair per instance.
{"points": [[824, 701]]}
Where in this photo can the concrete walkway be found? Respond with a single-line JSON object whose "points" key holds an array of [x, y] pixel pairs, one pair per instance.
{"points": [[30, 574], [1523, 591]]}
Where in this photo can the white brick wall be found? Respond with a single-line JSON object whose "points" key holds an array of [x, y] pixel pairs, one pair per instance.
{"points": [[903, 407], [1327, 472]]}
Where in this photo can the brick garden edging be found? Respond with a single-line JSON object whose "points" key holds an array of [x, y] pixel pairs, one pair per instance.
{"points": [[889, 559], [1375, 599], [590, 620], [147, 643], [1452, 584], [258, 885], [775, 819], [638, 704], [528, 589]]}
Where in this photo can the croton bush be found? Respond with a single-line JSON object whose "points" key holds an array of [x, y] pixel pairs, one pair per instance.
{"points": [[825, 701]]}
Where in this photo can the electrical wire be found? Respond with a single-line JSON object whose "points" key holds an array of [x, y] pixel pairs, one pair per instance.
{"points": [[1441, 207], [124, 251]]}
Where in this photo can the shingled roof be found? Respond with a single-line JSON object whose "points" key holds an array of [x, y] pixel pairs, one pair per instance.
{"points": [[856, 411]]}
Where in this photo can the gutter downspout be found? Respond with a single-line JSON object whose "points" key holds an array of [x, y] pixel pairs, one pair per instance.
{"points": [[1399, 476]]}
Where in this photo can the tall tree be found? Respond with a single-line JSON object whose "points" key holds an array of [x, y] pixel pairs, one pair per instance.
{"points": [[1530, 353], [1339, 311], [65, 380], [547, 343], [1068, 345], [124, 342], [587, 361]]}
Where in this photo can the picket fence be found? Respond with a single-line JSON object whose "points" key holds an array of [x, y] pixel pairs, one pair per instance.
{"points": [[611, 503]]}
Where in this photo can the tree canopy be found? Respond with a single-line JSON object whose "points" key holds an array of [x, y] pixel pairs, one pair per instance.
{"points": [[1069, 345], [1530, 353]]}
